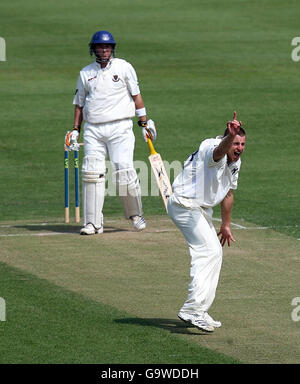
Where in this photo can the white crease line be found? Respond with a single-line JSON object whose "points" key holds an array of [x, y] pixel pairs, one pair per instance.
{"points": [[237, 226], [251, 228], [233, 224], [36, 234], [164, 230], [27, 225], [72, 233]]}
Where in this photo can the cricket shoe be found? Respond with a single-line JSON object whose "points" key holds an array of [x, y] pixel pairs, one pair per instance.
{"points": [[89, 229], [207, 317], [211, 321], [198, 320], [138, 222]]}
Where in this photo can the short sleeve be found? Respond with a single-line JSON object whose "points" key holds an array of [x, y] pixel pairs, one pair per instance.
{"points": [[132, 80], [207, 150], [80, 93]]}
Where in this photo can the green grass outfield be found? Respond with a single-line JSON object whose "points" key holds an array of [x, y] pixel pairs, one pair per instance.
{"points": [[49, 325], [197, 62]]}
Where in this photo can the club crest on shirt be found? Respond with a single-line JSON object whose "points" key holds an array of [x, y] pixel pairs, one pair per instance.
{"points": [[115, 78], [234, 170]]}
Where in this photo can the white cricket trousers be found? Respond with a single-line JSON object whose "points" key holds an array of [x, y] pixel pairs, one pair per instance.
{"points": [[115, 139], [205, 251]]}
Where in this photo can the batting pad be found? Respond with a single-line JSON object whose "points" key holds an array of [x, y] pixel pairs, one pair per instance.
{"points": [[93, 199], [129, 191], [93, 169], [93, 190]]}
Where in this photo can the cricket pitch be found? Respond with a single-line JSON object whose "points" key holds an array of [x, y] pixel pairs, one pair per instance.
{"points": [[146, 274]]}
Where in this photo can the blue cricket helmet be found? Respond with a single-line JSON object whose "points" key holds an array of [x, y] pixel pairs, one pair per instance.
{"points": [[102, 37]]}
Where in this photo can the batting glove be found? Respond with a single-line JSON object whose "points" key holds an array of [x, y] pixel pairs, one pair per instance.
{"points": [[149, 130], [71, 140]]}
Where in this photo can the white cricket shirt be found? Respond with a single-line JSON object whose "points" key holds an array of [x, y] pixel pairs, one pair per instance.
{"points": [[106, 94], [205, 181]]}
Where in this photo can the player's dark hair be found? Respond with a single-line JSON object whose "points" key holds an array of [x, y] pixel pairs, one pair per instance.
{"points": [[242, 132]]}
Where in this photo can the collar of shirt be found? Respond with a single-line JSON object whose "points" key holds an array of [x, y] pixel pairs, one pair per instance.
{"points": [[109, 64]]}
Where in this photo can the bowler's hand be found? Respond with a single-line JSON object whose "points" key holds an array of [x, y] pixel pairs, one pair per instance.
{"points": [[234, 125], [226, 235]]}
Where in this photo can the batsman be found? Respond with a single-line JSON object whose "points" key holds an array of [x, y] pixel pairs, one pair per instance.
{"points": [[107, 97]]}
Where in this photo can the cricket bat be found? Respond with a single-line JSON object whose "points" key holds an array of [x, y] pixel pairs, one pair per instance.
{"points": [[160, 174]]}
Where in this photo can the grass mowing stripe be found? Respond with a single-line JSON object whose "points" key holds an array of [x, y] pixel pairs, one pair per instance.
{"points": [[48, 324]]}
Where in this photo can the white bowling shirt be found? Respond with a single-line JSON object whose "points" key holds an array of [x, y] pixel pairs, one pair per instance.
{"points": [[106, 94], [205, 181]]}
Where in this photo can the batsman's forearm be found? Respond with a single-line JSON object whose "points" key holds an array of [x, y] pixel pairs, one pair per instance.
{"points": [[78, 116], [139, 105], [138, 101]]}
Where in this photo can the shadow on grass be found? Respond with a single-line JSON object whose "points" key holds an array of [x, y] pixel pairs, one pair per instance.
{"points": [[75, 229], [170, 325]]}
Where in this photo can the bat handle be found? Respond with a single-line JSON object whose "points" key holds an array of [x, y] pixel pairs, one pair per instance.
{"points": [[151, 147]]}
